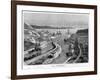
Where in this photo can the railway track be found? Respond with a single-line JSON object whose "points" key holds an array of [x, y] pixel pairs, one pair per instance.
{"points": [[56, 52], [75, 58], [40, 56], [78, 55]]}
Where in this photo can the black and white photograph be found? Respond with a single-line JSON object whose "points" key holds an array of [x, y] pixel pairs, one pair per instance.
{"points": [[55, 37]]}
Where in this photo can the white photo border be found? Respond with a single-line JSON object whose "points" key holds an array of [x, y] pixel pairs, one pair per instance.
{"points": [[58, 68]]}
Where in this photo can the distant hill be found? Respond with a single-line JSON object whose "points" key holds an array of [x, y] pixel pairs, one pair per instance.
{"points": [[48, 27], [26, 26], [82, 31]]}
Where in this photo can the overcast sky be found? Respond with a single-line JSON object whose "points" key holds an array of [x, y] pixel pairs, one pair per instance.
{"points": [[55, 19]]}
